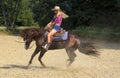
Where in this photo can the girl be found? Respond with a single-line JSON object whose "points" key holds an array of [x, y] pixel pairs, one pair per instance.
{"points": [[56, 22]]}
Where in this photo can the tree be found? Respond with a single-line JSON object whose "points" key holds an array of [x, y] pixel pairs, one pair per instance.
{"points": [[1, 20], [25, 17], [81, 12], [10, 11]]}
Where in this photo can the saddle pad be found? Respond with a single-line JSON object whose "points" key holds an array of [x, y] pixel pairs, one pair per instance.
{"points": [[59, 38]]}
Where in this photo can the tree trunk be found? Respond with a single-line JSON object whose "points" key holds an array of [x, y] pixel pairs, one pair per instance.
{"points": [[10, 12], [4, 16], [16, 11]]}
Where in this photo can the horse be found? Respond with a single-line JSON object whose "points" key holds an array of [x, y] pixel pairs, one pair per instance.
{"points": [[71, 44]]}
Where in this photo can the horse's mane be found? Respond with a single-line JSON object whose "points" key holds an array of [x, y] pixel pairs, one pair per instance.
{"points": [[32, 32]]}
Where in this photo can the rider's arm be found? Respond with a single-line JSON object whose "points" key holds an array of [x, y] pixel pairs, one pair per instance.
{"points": [[50, 24], [55, 20]]}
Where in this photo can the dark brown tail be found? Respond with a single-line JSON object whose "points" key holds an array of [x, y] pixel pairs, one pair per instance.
{"points": [[88, 48]]}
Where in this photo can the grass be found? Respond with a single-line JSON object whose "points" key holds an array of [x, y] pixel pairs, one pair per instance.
{"points": [[98, 33], [4, 31], [105, 33]]}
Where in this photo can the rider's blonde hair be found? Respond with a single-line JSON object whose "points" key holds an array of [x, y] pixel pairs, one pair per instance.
{"points": [[64, 15]]}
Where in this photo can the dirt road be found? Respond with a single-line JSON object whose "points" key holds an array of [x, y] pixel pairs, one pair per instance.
{"points": [[14, 58]]}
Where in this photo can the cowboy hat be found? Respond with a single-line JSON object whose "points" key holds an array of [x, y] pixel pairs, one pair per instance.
{"points": [[56, 8]]}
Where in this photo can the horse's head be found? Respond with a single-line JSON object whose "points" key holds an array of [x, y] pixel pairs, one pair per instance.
{"points": [[29, 35]]}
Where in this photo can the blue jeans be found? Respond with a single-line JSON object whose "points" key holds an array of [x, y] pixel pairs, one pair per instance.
{"points": [[57, 28]]}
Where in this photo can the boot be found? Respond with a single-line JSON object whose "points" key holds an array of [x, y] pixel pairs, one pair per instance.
{"points": [[46, 46]]}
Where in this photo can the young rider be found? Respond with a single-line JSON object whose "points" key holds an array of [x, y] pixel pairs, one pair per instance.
{"points": [[56, 23]]}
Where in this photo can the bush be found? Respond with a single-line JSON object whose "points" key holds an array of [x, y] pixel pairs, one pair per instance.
{"points": [[97, 33]]}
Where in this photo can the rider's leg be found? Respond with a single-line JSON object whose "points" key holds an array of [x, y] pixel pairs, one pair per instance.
{"points": [[52, 32]]}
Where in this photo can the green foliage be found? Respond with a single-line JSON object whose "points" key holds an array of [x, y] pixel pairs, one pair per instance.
{"points": [[10, 10], [105, 33], [81, 12], [15, 12], [25, 17], [1, 21], [42, 12], [17, 31]]}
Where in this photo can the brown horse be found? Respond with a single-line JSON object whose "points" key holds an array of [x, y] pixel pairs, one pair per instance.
{"points": [[71, 44]]}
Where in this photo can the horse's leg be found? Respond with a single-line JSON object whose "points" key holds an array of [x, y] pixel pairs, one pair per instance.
{"points": [[72, 44], [40, 57], [71, 56], [33, 55]]}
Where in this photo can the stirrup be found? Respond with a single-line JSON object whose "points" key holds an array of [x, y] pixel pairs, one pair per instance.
{"points": [[46, 46]]}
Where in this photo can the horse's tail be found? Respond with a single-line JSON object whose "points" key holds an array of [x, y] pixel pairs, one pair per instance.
{"points": [[88, 48]]}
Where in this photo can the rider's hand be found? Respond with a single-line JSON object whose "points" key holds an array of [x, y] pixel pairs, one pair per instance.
{"points": [[49, 24]]}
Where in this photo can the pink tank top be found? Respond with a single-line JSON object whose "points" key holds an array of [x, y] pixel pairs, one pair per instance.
{"points": [[57, 20]]}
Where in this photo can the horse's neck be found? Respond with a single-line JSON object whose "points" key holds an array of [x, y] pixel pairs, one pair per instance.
{"points": [[39, 40]]}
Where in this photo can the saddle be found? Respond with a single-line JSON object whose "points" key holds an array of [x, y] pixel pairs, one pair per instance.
{"points": [[62, 35]]}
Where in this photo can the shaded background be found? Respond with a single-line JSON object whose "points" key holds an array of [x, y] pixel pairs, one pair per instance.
{"points": [[87, 18], [81, 12]]}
